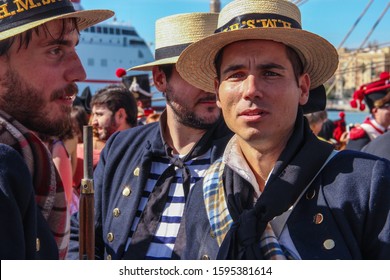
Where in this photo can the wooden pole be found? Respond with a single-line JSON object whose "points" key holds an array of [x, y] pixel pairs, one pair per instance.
{"points": [[87, 201]]}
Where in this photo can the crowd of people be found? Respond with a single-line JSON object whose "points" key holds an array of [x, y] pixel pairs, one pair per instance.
{"points": [[243, 162]]}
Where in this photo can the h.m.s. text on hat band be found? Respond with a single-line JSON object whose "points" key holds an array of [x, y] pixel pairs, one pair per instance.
{"points": [[259, 21], [20, 12], [170, 51]]}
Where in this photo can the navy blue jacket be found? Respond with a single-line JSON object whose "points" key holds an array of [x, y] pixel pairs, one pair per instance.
{"points": [[120, 178], [24, 233], [352, 193], [380, 146]]}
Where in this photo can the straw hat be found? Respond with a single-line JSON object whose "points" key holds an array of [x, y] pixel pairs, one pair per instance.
{"points": [[21, 16], [276, 20], [175, 33]]}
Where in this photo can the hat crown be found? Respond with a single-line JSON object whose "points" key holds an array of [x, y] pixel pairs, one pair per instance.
{"points": [[184, 28], [238, 8]]}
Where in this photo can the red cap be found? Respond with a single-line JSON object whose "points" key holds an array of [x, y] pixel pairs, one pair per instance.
{"points": [[370, 92]]}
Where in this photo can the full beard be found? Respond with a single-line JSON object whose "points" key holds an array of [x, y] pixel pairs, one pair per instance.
{"points": [[27, 106], [185, 115]]}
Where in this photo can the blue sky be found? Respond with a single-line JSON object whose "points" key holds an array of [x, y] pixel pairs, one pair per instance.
{"points": [[331, 19]]}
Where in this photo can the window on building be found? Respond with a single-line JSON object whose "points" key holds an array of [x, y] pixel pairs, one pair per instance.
{"points": [[104, 62], [91, 62]]}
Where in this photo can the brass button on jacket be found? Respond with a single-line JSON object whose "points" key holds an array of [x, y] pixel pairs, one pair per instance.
{"points": [[318, 218], [116, 212], [38, 244], [110, 236], [126, 191], [329, 244], [205, 257]]}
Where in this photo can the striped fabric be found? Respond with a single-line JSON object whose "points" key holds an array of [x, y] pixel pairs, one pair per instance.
{"points": [[163, 242], [214, 197], [221, 221]]}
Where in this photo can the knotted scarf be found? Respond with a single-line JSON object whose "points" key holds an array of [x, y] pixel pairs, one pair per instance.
{"points": [[49, 191], [151, 216], [297, 165]]}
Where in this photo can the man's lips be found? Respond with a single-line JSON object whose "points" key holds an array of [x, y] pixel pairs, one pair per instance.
{"points": [[252, 112]]}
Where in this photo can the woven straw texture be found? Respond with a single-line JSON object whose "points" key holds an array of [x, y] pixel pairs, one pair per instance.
{"points": [[178, 30], [84, 19], [319, 57]]}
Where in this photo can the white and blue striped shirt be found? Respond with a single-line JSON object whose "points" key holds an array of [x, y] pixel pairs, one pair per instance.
{"points": [[162, 244]]}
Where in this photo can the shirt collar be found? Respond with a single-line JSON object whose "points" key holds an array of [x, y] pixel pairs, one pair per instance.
{"points": [[234, 158]]}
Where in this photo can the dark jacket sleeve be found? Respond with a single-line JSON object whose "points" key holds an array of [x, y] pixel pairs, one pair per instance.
{"points": [[17, 207]]}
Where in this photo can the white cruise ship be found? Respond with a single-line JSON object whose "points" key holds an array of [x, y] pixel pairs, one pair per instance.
{"points": [[107, 46]]}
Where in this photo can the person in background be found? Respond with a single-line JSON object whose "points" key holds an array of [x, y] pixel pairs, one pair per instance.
{"points": [[154, 117], [145, 173], [38, 70], [144, 101], [377, 97], [327, 128], [316, 120], [114, 108], [278, 192]]}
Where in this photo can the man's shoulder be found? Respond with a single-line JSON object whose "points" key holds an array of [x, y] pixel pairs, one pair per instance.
{"points": [[357, 164], [140, 133]]}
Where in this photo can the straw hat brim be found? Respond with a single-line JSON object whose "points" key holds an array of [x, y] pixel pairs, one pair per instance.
{"points": [[319, 57], [84, 19], [149, 66]]}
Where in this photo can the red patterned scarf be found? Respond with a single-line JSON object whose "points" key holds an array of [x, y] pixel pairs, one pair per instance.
{"points": [[49, 191]]}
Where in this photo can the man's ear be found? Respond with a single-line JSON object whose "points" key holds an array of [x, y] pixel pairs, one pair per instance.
{"points": [[159, 79], [216, 88], [120, 116], [304, 85]]}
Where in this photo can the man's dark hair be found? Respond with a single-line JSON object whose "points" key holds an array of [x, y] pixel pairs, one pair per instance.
{"points": [[167, 69], [291, 54], [24, 38], [115, 97]]}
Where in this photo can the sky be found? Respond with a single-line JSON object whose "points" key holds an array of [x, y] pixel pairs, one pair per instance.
{"points": [[331, 19]]}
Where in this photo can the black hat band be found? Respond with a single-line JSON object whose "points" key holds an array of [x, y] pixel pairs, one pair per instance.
{"points": [[19, 12], [171, 51], [259, 21]]}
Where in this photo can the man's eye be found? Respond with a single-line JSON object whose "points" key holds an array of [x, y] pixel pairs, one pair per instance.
{"points": [[236, 75], [56, 51], [270, 73]]}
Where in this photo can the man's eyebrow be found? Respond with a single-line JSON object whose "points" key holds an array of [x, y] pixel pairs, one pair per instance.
{"points": [[265, 66], [271, 65], [62, 42], [233, 68]]}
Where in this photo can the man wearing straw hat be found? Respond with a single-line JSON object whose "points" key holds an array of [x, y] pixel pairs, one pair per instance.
{"points": [[145, 174], [278, 192], [39, 67]]}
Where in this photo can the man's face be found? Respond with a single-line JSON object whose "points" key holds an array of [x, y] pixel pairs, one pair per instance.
{"points": [[382, 115], [258, 92], [37, 83], [191, 106], [103, 120]]}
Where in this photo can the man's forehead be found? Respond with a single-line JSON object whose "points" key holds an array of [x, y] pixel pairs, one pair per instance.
{"points": [[100, 108], [57, 28]]}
